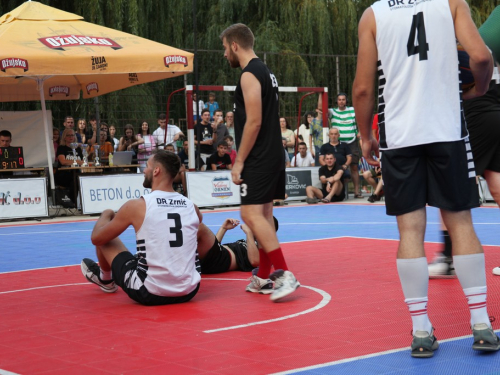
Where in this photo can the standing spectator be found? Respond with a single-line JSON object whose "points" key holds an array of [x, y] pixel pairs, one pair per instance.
{"points": [[331, 176], [287, 156], [129, 141], [286, 132], [230, 151], [203, 135], [116, 141], [173, 133], [81, 130], [69, 123], [211, 105], [303, 157], [344, 119], [146, 147], [92, 134], [316, 130], [200, 105], [220, 129], [230, 123], [184, 156], [304, 133], [220, 159]]}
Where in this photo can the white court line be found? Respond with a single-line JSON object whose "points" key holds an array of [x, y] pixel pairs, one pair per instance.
{"points": [[347, 360], [325, 300], [42, 287]]}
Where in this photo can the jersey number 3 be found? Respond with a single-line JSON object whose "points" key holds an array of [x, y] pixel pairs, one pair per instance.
{"points": [[418, 27], [176, 229]]}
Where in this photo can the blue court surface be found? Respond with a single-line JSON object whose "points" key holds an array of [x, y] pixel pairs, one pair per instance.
{"points": [[45, 245]]}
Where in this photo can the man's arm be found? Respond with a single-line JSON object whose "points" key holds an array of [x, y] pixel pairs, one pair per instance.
{"points": [[348, 161], [227, 225], [364, 83], [111, 225], [481, 61], [178, 135], [251, 88], [322, 160]]}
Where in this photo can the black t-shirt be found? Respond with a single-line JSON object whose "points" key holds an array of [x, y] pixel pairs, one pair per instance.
{"points": [[341, 151], [203, 133], [221, 162], [266, 154], [64, 178], [185, 159], [324, 171]]}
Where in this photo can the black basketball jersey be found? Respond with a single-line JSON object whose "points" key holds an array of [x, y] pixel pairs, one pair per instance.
{"points": [[267, 153]]}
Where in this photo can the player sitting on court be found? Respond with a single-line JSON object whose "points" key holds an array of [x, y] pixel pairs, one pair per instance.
{"points": [[242, 255], [166, 223]]}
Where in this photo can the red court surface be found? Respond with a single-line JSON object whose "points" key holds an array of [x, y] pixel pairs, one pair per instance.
{"points": [[54, 322]]}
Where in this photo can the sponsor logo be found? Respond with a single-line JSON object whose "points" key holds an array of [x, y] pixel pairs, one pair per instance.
{"points": [[132, 78], [175, 59], [6, 199], [59, 90], [171, 202], [99, 63], [13, 62], [221, 188], [64, 41], [296, 183], [92, 86]]}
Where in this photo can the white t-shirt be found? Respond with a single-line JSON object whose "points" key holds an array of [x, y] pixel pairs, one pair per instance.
{"points": [[419, 89], [303, 162], [166, 246], [159, 134]]}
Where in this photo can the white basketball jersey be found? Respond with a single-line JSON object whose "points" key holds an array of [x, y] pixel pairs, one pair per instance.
{"points": [[166, 246], [419, 89]]}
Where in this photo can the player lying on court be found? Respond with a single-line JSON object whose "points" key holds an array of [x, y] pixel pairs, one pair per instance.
{"points": [[164, 270], [242, 255]]}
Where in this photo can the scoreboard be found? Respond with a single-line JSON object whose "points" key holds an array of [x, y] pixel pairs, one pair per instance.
{"points": [[11, 158]]}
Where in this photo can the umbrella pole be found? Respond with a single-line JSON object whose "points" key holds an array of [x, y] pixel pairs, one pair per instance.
{"points": [[47, 139]]}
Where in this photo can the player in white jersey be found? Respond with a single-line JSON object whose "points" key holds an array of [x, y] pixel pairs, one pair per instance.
{"points": [[165, 269], [426, 159]]}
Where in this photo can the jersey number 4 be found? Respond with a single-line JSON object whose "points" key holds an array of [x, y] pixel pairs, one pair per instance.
{"points": [[418, 27], [176, 229]]}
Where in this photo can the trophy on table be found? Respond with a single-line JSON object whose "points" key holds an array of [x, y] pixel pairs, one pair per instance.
{"points": [[96, 159], [85, 155], [73, 147]]}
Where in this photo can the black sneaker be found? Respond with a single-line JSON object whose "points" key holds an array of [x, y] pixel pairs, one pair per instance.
{"points": [[374, 198], [91, 271], [424, 344]]}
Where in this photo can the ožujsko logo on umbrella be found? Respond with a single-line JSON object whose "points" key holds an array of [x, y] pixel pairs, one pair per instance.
{"points": [[59, 90], [175, 59], [91, 87], [13, 62], [63, 41], [99, 63]]}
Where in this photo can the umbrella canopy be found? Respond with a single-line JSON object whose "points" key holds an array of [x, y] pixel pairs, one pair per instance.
{"points": [[75, 56]]}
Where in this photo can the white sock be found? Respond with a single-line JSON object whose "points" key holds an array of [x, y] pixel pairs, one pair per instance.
{"points": [[476, 297], [418, 312], [105, 275]]}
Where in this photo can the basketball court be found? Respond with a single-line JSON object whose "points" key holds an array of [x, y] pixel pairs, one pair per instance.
{"points": [[348, 317]]}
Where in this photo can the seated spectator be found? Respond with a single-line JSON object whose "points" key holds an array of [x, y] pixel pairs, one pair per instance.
{"points": [[129, 141], [230, 151], [287, 156], [184, 156], [69, 123], [105, 148], [378, 193], [65, 157], [5, 138], [170, 148], [372, 176], [230, 123], [331, 176], [303, 157], [220, 160], [104, 126]]}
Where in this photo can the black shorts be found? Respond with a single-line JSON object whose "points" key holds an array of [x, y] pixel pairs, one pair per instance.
{"points": [[335, 198], [239, 248], [355, 152], [484, 135], [261, 188], [439, 174], [217, 260], [125, 262]]}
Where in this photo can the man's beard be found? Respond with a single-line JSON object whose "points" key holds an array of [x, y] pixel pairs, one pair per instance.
{"points": [[147, 182], [233, 60]]}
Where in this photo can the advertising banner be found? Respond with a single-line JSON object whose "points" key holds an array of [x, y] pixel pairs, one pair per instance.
{"points": [[102, 192], [23, 197], [296, 181], [209, 189]]}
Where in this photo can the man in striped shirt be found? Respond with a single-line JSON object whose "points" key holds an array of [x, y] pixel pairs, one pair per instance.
{"points": [[343, 118]]}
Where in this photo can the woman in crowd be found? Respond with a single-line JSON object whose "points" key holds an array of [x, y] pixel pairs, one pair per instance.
{"points": [[286, 132], [55, 141], [147, 146], [81, 128], [105, 147], [304, 131], [112, 132], [92, 134], [129, 141], [65, 158]]}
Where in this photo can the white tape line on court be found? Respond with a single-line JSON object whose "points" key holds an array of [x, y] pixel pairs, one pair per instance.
{"points": [[42, 287], [325, 300]]}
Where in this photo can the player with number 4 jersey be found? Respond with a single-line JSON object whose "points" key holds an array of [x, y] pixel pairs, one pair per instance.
{"points": [[411, 46], [165, 269]]}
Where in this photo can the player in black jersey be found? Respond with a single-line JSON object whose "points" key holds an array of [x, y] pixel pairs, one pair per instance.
{"points": [[259, 167]]}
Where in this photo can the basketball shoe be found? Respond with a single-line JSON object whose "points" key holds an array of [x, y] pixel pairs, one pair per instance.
{"points": [[92, 271], [284, 284], [441, 267], [258, 285]]}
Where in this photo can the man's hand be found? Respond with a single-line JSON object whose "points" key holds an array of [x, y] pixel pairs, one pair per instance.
{"points": [[230, 224], [328, 187], [236, 172], [370, 146]]}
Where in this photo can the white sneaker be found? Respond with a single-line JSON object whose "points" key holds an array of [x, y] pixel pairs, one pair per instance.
{"points": [[441, 267], [284, 284], [258, 285], [496, 271], [91, 271]]}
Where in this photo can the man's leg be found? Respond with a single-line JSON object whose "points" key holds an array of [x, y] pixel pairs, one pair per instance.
{"points": [[313, 194], [377, 193], [367, 175], [493, 180], [206, 240], [355, 179], [336, 190]]}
